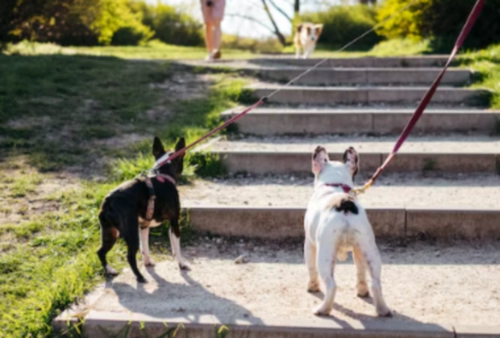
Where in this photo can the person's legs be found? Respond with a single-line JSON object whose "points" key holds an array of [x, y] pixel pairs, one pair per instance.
{"points": [[217, 39], [209, 29], [207, 19]]}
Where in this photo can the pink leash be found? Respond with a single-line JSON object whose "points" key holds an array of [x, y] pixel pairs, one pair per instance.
{"points": [[428, 96]]}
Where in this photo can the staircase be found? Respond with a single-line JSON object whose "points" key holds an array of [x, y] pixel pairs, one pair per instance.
{"points": [[443, 184]]}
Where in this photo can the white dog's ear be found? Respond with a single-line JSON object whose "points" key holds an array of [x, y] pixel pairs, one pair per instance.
{"points": [[351, 158], [319, 159], [319, 28]]}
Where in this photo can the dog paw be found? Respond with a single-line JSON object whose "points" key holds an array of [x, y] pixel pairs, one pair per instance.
{"points": [[184, 266], [321, 311], [365, 294], [149, 262], [363, 290], [110, 271], [141, 279], [313, 287], [385, 312]]}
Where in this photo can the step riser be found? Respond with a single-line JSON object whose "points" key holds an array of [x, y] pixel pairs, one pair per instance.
{"points": [[286, 163], [332, 96], [430, 61], [207, 326], [364, 77], [350, 123], [283, 223]]}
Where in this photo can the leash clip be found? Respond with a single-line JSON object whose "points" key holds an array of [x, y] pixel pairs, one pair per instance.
{"points": [[362, 190]]}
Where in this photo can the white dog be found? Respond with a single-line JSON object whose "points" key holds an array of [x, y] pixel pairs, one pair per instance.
{"points": [[336, 223], [306, 36]]}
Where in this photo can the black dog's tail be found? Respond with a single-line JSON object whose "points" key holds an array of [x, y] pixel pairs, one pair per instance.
{"points": [[106, 215]]}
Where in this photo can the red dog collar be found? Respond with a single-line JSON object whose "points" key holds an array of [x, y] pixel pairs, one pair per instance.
{"points": [[163, 177], [347, 189]]}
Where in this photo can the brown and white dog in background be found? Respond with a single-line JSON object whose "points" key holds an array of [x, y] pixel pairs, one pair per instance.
{"points": [[136, 205], [306, 37]]}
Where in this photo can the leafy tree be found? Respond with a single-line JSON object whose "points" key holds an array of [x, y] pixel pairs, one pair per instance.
{"points": [[441, 21], [69, 22], [169, 25]]}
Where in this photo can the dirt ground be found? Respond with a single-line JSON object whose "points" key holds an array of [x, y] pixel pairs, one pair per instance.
{"points": [[455, 283]]}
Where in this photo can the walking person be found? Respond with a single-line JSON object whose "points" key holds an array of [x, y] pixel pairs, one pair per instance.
{"points": [[213, 13]]}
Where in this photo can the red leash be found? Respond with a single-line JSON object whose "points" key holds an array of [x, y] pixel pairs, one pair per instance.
{"points": [[227, 123], [428, 96]]}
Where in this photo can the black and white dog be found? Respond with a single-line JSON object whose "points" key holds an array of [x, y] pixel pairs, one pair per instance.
{"points": [[335, 223], [134, 206]]}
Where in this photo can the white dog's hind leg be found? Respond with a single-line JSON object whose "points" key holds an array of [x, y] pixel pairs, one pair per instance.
{"points": [[326, 262], [359, 260], [374, 263], [310, 258]]}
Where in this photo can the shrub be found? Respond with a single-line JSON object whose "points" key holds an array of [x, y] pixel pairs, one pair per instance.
{"points": [[342, 24], [269, 45], [170, 25], [72, 22], [441, 21]]}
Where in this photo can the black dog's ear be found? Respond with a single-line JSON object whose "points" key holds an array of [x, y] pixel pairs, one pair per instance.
{"points": [[180, 144], [299, 28], [179, 161], [158, 150]]}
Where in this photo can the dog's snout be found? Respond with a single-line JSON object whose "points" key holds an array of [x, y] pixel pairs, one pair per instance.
{"points": [[313, 38]]}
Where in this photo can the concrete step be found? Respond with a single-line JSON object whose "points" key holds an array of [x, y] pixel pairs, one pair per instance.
{"points": [[453, 206], [367, 95], [425, 285], [361, 76], [313, 121], [438, 154], [350, 62], [334, 75]]}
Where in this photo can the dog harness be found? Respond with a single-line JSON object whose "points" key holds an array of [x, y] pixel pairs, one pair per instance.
{"points": [[347, 189], [152, 197]]}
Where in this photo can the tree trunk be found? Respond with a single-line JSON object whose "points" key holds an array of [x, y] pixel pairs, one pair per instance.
{"points": [[277, 32]]}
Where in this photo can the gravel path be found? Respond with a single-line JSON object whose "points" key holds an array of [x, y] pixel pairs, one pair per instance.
{"points": [[428, 144], [467, 191], [422, 283]]}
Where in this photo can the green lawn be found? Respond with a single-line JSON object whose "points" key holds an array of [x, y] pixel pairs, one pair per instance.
{"points": [[72, 127]]}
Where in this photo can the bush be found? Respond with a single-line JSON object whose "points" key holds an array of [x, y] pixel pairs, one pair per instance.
{"points": [[441, 21], [270, 45], [342, 24], [170, 25], [72, 22]]}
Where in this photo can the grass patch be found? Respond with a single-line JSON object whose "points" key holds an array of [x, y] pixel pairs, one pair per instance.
{"points": [[403, 47], [486, 65], [151, 50], [25, 184], [56, 111]]}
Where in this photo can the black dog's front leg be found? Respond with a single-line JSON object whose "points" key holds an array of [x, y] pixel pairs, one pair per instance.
{"points": [[175, 243]]}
